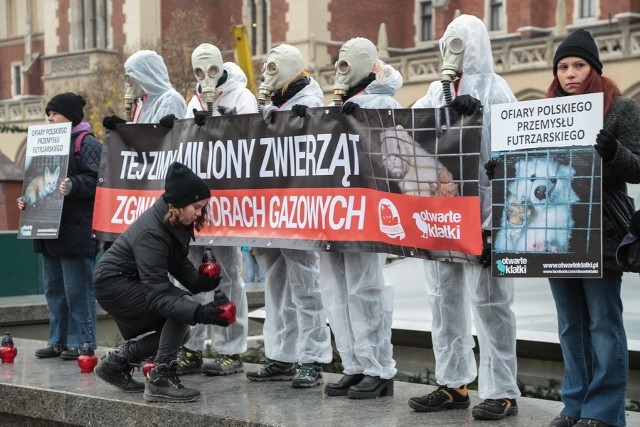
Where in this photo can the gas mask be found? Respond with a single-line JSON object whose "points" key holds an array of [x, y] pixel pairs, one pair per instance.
{"points": [[206, 61], [284, 63], [355, 61], [452, 58], [132, 92]]}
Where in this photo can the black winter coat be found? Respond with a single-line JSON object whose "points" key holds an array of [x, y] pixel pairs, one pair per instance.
{"points": [[131, 279], [75, 233]]}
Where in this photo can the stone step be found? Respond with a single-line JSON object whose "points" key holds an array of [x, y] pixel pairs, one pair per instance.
{"points": [[48, 391]]}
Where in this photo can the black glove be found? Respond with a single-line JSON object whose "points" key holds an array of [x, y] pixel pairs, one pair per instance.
{"points": [[226, 111], [208, 314], [465, 104], [205, 284], [490, 167], [110, 122], [167, 121], [199, 116], [299, 109], [349, 107], [606, 145], [485, 258]]}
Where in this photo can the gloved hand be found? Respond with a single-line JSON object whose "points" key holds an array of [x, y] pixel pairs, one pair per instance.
{"points": [[349, 107], [465, 104], [485, 258], [299, 109], [199, 117], [226, 111], [110, 122], [606, 145], [167, 121], [267, 113], [208, 314], [490, 167], [205, 284]]}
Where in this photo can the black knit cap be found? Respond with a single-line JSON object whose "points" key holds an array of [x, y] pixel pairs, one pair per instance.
{"points": [[580, 44], [183, 187], [69, 105]]}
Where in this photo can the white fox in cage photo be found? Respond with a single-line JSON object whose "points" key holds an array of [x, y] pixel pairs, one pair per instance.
{"points": [[41, 186], [419, 173], [537, 215]]}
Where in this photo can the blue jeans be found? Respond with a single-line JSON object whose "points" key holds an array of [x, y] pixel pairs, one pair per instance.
{"points": [[594, 347], [72, 305], [251, 267]]}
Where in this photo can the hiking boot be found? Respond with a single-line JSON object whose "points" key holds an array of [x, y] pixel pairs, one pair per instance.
{"points": [[223, 364], [584, 422], [115, 370], [165, 386], [189, 361], [309, 375], [562, 421], [70, 354], [273, 370], [51, 351], [494, 409], [442, 398]]}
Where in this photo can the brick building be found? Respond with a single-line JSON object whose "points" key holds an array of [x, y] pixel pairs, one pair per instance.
{"points": [[49, 46]]}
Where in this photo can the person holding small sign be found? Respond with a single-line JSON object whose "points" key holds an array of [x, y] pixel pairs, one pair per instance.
{"points": [[590, 324]]}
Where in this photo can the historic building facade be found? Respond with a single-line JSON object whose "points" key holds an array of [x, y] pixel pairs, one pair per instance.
{"points": [[50, 46]]}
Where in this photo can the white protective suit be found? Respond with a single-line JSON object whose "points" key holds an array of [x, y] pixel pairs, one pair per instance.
{"points": [[295, 327], [233, 93], [359, 301], [148, 69], [453, 287]]}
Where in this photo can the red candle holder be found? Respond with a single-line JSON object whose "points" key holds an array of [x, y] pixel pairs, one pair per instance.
{"points": [[8, 351], [87, 359]]}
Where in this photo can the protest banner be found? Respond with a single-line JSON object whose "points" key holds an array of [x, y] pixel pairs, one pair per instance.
{"points": [[392, 181], [547, 217]]}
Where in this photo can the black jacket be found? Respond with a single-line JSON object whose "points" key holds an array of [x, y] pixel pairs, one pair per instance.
{"points": [[131, 279]]}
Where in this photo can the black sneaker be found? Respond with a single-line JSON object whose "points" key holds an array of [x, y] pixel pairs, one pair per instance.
{"points": [[164, 386], [189, 361], [309, 375], [562, 421], [223, 364], [442, 398], [115, 370], [70, 354], [584, 422], [51, 351], [273, 370], [495, 409]]}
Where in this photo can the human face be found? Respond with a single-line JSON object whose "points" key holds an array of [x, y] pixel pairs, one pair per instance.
{"points": [[572, 72], [55, 117], [192, 212]]}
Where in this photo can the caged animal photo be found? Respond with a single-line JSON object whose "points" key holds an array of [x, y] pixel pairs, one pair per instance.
{"points": [[41, 186], [417, 172], [537, 214]]}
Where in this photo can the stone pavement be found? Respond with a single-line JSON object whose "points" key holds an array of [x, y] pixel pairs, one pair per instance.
{"points": [[46, 392]]}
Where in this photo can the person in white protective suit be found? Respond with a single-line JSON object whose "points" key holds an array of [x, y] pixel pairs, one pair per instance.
{"points": [[295, 327], [454, 288], [148, 91], [358, 299], [221, 89]]}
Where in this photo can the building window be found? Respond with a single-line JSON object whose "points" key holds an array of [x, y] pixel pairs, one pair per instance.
{"points": [[16, 79], [259, 34], [89, 24], [426, 21], [587, 8], [496, 14]]}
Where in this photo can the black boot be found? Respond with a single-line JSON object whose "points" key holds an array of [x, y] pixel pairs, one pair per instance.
{"points": [[116, 370], [165, 386], [340, 388], [371, 387]]}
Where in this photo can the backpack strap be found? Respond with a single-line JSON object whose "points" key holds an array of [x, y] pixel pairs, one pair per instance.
{"points": [[77, 145]]}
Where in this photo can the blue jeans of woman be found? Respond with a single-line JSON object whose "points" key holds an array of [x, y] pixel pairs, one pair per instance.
{"points": [[594, 347], [72, 305]]}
